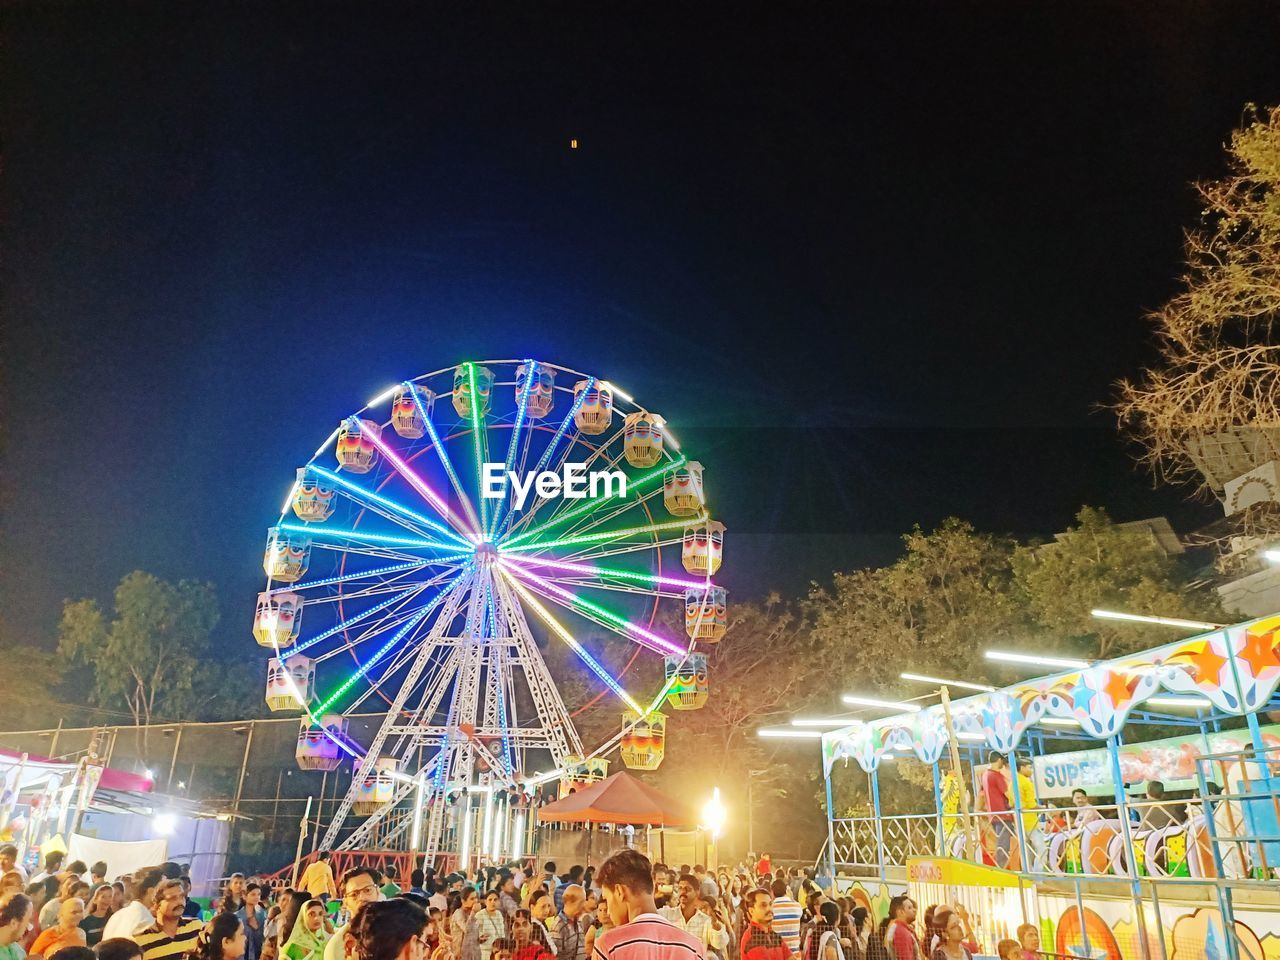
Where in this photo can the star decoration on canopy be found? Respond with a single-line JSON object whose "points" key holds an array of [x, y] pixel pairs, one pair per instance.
{"points": [[1260, 651], [1206, 663]]}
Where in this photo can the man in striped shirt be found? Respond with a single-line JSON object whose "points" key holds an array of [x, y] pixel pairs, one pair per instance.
{"points": [[786, 915], [639, 932], [172, 935]]}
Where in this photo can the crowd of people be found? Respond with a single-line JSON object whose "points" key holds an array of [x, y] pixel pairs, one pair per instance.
{"points": [[628, 909]]}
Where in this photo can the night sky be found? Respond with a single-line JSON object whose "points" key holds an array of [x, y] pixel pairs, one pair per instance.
{"points": [[876, 263]]}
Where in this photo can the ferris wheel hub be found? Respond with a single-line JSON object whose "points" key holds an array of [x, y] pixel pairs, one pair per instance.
{"points": [[486, 553]]}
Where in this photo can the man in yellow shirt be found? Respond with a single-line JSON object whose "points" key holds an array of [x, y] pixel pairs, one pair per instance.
{"points": [[1036, 840], [317, 879]]}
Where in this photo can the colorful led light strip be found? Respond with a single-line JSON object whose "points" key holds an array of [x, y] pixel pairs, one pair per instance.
{"points": [[375, 538], [564, 427], [522, 405], [614, 572], [351, 621], [605, 535], [554, 625], [389, 504], [635, 632], [383, 651], [414, 480], [632, 484], [443, 456], [475, 441], [329, 581]]}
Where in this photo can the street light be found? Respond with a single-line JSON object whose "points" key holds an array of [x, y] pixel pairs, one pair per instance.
{"points": [[1158, 621], [963, 684], [1063, 663], [858, 701]]}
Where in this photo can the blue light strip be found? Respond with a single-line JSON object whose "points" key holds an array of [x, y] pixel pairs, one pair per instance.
{"points": [[445, 461], [376, 538], [351, 621], [531, 369], [385, 648], [389, 504], [346, 577]]}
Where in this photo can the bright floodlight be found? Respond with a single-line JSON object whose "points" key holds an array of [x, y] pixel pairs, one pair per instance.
{"points": [[1158, 621], [781, 734], [713, 815], [1063, 663], [886, 704], [1272, 555], [964, 684], [165, 824]]}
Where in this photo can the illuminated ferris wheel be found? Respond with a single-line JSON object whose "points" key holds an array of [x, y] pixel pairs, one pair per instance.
{"points": [[422, 546]]}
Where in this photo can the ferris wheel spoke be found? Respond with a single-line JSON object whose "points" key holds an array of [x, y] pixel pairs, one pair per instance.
{"points": [[592, 520], [598, 552], [593, 611], [400, 634], [606, 573], [646, 479], [600, 450], [513, 444], [443, 455], [573, 583], [369, 539], [550, 451], [388, 586], [601, 537], [402, 514], [421, 486], [406, 566], [480, 444], [559, 630], [351, 621]]}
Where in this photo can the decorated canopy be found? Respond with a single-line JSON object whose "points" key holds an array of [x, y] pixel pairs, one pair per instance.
{"points": [[620, 799], [1237, 669]]}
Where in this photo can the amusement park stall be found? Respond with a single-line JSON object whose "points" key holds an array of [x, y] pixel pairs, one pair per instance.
{"points": [[1102, 861]]}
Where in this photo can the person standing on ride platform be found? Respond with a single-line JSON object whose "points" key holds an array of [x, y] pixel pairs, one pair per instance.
{"points": [[318, 880]]}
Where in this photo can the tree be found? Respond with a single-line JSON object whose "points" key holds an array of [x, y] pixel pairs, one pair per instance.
{"points": [[933, 611], [147, 657], [1216, 387], [1098, 564]]}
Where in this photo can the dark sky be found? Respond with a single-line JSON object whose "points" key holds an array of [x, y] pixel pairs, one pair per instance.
{"points": [[877, 263]]}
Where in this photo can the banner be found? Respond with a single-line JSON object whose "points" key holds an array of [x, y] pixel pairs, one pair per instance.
{"points": [[120, 856], [1171, 761]]}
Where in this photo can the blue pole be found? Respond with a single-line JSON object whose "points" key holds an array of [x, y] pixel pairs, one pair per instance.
{"points": [[1122, 801], [875, 806], [831, 832], [1225, 910]]}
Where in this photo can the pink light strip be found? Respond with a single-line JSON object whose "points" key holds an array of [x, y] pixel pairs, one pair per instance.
{"points": [[639, 634], [605, 572], [417, 482]]}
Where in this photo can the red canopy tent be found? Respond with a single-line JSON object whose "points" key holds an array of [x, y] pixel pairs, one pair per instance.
{"points": [[620, 799]]}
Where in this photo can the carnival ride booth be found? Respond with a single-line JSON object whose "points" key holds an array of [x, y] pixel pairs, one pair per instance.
{"points": [[619, 802], [1134, 818], [94, 812]]}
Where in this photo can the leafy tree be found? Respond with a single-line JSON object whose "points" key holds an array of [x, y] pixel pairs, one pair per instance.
{"points": [[146, 658], [933, 611], [1099, 564], [28, 702]]}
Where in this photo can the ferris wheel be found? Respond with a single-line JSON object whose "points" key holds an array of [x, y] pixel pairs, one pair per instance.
{"points": [[421, 553]]}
